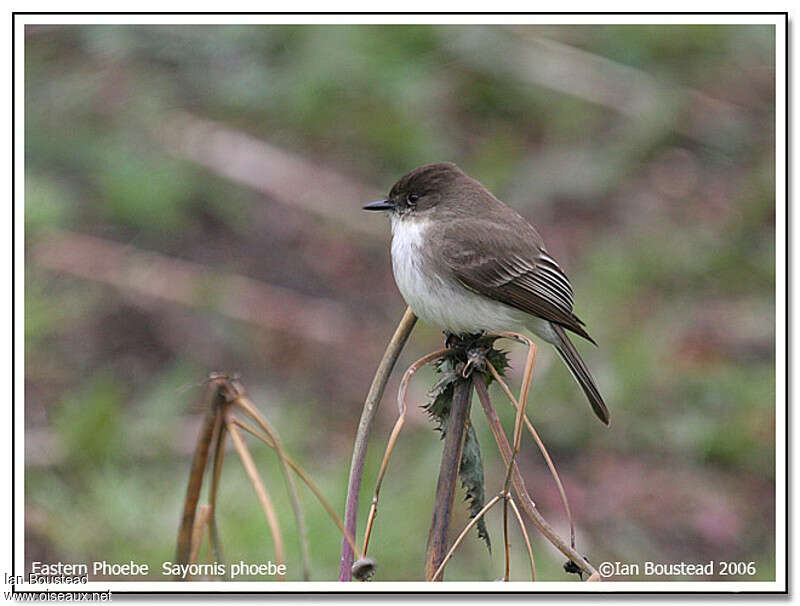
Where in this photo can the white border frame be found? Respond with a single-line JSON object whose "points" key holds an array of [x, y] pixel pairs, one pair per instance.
{"points": [[780, 583]]}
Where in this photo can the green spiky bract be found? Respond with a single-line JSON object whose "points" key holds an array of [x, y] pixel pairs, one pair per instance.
{"points": [[451, 366]]}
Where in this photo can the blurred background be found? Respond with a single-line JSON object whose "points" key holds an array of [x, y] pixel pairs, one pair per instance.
{"points": [[193, 200]]}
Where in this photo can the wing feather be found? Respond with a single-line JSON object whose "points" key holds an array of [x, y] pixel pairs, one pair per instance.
{"points": [[525, 276]]}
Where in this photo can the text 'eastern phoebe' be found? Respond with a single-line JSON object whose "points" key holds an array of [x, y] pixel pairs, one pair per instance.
{"points": [[467, 263]]}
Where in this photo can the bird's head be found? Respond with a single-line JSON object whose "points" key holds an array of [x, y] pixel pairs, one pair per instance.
{"points": [[423, 190]]}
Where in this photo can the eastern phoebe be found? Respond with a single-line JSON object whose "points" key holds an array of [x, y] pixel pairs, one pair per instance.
{"points": [[466, 262]]}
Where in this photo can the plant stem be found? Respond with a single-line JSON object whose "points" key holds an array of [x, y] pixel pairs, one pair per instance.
{"points": [[461, 536], [525, 536], [550, 465], [505, 536], [211, 400], [258, 486], [519, 484], [448, 476], [200, 525], [303, 476], [243, 401], [219, 457], [401, 410], [371, 403]]}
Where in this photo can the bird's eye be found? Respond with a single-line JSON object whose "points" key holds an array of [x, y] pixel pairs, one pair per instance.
{"points": [[412, 199]]}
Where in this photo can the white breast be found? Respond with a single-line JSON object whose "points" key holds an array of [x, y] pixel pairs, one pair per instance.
{"points": [[438, 300]]}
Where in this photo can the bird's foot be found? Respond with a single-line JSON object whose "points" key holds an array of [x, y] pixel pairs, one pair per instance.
{"points": [[471, 350]]}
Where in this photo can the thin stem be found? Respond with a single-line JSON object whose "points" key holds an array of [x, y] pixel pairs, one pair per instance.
{"points": [[211, 401], [463, 534], [219, 457], [244, 402], [307, 480], [448, 474], [551, 466], [402, 407], [263, 497], [525, 536], [373, 508], [527, 377], [506, 497], [371, 403], [519, 485], [200, 523]]}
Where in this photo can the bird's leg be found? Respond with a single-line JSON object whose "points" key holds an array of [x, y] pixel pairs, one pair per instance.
{"points": [[476, 360], [477, 352], [469, 350]]}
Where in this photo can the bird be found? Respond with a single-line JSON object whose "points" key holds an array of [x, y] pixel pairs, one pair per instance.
{"points": [[467, 263]]}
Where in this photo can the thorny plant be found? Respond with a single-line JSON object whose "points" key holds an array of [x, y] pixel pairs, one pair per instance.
{"points": [[466, 363], [225, 402]]}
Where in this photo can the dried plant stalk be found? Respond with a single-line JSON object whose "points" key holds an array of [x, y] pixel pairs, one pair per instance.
{"points": [[527, 377], [212, 400], [510, 461], [244, 402], [371, 403], [261, 493], [219, 457], [550, 465], [402, 407], [518, 483], [200, 525], [525, 536], [223, 393], [304, 477], [448, 477], [467, 528], [506, 542]]}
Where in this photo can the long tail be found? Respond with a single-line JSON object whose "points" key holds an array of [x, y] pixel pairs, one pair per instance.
{"points": [[581, 373]]}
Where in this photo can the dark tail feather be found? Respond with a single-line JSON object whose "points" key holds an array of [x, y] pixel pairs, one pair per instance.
{"points": [[581, 373]]}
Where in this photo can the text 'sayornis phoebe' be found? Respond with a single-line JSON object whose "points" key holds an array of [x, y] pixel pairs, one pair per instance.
{"points": [[466, 262]]}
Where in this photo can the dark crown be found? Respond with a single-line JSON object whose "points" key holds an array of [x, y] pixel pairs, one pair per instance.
{"points": [[431, 177]]}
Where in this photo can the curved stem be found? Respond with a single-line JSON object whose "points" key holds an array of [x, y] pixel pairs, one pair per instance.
{"points": [[505, 537], [374, 395], [211, 400], [519, 484], [402, 407], [464, 532], [258, 486], [219, 456], [551, 466], [244, 402], [527, 378], [307, 480], [525, 536], [446, 484], [200, 523]]}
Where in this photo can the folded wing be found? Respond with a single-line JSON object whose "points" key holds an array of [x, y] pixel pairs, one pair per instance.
{"points": [[511, 266]]}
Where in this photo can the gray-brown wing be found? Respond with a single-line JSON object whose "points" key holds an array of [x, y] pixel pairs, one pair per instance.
{"points": [[510, 265]]}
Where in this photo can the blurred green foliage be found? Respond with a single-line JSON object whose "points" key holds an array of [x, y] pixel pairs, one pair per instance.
{"points": [[666, 230]]}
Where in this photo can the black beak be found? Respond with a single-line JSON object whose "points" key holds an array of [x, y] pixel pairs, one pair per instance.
{"points": [[380, 205]]}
